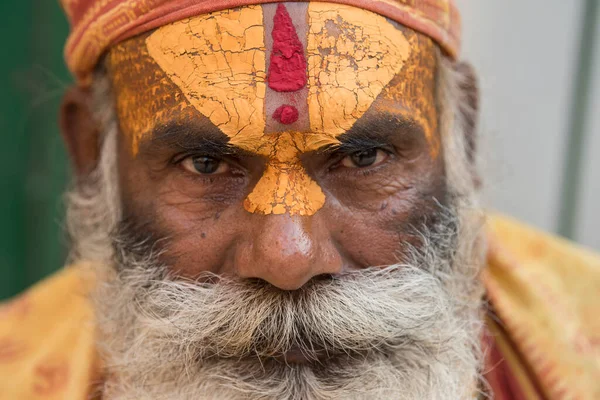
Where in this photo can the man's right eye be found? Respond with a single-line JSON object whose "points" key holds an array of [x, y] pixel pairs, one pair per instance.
{"points": [[205, 165], [364, 159]]}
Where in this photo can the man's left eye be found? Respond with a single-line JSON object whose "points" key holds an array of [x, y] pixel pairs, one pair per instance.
{"points": [[205, 165], [364, 159]]}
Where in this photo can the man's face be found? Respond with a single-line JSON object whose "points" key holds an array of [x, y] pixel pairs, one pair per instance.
{"points": [[287, 229], [279, 142]]}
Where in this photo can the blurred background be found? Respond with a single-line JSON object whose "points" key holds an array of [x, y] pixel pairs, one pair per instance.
{"points": [[539, 64], [539, 68]]}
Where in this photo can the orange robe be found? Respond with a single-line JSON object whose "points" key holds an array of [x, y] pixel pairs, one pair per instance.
{"points": [[542, 339]]}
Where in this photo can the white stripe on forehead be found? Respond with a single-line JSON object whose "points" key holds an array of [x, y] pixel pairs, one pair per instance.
{"points": [[298, 12]]}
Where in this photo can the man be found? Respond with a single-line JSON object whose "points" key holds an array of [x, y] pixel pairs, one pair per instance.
{"points": [[279, 200]]}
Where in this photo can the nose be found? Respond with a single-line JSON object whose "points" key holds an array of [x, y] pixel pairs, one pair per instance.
{"points": [[287, 251]]}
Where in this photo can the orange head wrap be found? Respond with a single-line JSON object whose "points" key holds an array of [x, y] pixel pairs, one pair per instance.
{"points": [[98, 24]]}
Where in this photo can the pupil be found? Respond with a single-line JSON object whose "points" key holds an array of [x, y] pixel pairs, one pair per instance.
{"points": [[364, 158], [206, 165]]}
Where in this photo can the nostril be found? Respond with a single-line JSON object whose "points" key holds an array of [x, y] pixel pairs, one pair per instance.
{"points": [[323, 278], [258, 283]]}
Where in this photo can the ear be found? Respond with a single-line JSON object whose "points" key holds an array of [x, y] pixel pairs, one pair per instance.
{"points": [[79, 130], [468, 86]]}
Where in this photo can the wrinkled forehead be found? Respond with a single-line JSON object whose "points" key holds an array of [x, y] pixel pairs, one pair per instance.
{"points": [[252, 71]]}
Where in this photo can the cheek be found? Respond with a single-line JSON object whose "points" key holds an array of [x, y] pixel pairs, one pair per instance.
{"points": [[193, 223], [194, 236], [367, 193], [371, 190], [373, 225], [198, 243]]}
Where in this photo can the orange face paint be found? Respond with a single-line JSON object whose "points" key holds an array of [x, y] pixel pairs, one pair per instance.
{"points": [[285, 187], [226, 67], [352, 55], [412, 91], [218, 63]]}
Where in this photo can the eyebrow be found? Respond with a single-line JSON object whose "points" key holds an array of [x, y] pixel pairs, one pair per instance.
{"points": [[381, 129], [378, 130], [193, 138]]}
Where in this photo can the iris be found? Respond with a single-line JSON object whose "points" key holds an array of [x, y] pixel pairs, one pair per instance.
{"points": [[205, 164], [364, 158]]}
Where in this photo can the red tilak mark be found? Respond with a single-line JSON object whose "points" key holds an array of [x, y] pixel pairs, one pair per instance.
{"points": [[287, 71], [286, 114]]}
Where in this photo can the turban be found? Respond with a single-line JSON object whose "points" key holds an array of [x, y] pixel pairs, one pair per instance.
{"points": [[98, 24]]}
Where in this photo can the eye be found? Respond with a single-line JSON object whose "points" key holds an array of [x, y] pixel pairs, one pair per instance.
{"points": [[205, 165], [364, 159]]}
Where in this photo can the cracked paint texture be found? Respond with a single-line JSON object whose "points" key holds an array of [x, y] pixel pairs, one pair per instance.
{"points": [[213, 67], [352, 55], [218, 62], [413, 89], [145, 96], [285, 187]]}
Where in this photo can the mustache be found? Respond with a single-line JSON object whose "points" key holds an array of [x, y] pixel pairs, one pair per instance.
{"points": [[377, 309], [373, 310]]}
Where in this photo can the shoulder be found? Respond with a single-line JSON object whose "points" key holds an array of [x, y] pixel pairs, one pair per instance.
{"points": [[546, 292], [47, 339], [537, 246], [542, 266]]}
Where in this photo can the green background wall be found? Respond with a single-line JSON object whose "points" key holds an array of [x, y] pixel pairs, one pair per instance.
{"points": [[33, 166]]}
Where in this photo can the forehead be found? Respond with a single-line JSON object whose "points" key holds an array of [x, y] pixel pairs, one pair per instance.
{"points": [[315, 68]]}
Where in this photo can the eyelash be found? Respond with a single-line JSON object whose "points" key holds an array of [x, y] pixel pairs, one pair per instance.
{"points": [[235, 171], [178, 158], [338, 156]]}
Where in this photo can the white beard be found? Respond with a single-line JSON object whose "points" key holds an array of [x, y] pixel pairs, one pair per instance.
{"points": [[403, 332]]}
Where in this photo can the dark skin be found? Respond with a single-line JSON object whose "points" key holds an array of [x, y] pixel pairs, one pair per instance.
{"points": [[188, 184]]}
